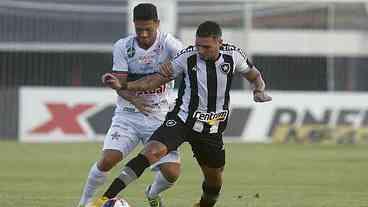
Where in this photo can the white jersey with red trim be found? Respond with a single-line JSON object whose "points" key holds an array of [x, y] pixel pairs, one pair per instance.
{"points": [[135, 62]]}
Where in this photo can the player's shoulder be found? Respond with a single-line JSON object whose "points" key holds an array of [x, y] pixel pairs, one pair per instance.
{"points": [[186, 52], [232, 49], [124, 42], [167, 38]]}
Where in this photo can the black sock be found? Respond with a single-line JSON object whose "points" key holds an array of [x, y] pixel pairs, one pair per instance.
{"points": [[138, 164], [133, 170], [209, 196], [114, 189]]}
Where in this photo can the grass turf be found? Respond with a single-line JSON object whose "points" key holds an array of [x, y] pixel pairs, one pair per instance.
{"points": [[256, 175]]}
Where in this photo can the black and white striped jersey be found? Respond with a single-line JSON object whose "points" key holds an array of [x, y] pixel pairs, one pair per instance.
{"points": [[203, 96]]}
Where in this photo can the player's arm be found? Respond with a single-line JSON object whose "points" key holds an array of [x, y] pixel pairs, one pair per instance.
{"points": [[255, 78], [149, 82], [252, 74], [258, 85], [121, 79], [168, 71]]}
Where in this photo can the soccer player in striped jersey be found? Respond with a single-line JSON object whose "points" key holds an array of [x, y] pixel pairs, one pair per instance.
{"points": [[201, 111], [138, 114]]}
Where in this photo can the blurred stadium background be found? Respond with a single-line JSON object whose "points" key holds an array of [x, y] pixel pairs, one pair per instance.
{"points": [[304, 46], [312, 53]]}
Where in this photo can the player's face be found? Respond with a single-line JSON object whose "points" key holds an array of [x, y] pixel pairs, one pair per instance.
{"points": [[208, 47], [146, 31]]}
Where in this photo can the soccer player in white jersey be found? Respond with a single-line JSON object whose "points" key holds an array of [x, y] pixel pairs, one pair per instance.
{"points": [[201, 111], [138, 115]]}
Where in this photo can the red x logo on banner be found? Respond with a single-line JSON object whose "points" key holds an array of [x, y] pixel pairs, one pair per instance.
{"points": [[63, 117]]}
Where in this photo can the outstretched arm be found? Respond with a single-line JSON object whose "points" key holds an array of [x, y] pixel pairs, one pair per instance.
{"points": [[115, 81], [149, 82], [258, 84]]}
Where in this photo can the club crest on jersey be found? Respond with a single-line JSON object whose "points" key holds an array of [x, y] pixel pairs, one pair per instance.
{"points": [[115, 136], [211, 117], [225, 67], [131, 52], [170, 123]]}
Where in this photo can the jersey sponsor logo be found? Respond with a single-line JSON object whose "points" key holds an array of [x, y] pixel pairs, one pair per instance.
{"points": [[170, 123], [131, 52], [158, 90], [225, 67], [211, 117], [147, 59]]}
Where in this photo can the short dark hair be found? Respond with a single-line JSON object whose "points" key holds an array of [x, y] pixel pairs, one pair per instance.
{"points": [[209, 29], [145, 11]]}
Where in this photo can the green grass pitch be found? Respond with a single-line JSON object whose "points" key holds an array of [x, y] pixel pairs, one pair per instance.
{"points": [[256, 175]]}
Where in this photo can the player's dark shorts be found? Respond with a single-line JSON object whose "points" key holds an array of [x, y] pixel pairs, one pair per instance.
{"points": [[208, 149]]}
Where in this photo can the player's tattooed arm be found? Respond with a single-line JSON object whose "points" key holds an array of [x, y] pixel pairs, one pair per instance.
{"points": [[149, 82], [255, 78], [258, 85], [115, 83]]}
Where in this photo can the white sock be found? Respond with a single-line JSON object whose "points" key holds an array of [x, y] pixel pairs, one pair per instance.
{"points": [[159, 185], [95, 179]]}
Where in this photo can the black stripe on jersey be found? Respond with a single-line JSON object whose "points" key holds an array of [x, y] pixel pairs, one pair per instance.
{"points": [[194, 99], [179, 100], [211, 91], [250, 64], [137, 76], [119, 72], [227, 59]]}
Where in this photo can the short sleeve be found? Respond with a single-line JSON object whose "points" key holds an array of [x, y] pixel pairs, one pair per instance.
{"points": [[119, 61], [173, 46], [242, 63], [178, 64]]}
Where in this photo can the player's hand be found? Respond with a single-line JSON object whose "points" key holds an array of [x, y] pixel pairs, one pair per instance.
{"points": [[111, 81], [166, 70], [261, 96], [142, 105]]}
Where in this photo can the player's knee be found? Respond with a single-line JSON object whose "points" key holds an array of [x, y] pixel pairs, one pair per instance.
{"points": [[154, 151], [109, 159], [214, 176], [171, 171]]}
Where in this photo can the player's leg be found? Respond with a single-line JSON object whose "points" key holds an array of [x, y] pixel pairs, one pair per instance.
{"points": [[98, 173], [119, 142], [167, 169], [151, 153], [162, 141], [210, 155], [165, 178], [211, 185], [167, 172]]}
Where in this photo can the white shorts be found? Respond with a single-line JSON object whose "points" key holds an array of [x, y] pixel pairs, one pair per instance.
{"points": [[128, 129]]}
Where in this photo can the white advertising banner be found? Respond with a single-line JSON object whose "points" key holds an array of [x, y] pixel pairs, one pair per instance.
{"points": [[61, 114], [84, 114], [304, 117]]}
